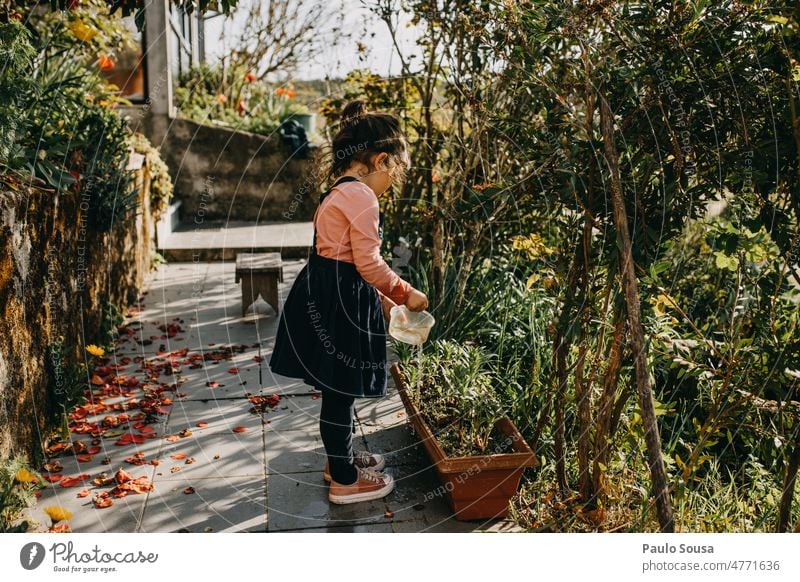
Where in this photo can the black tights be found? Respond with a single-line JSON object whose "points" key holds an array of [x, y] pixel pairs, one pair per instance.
{"points": [[336, 427]]}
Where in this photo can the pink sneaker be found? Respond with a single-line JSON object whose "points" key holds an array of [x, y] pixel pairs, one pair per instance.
{"points": [[370, 484], [362, 460]]}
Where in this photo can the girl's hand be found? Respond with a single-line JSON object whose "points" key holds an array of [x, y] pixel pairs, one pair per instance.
{"points": [[417, 301]]}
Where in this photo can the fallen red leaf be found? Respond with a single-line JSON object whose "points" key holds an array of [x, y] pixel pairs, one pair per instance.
{"points": [[137, 459], [72, 481], [52, 478], [102, 480], [56, 448], [214, 384], [233, 371], [118, 492], [84, 458], [130, 438], [93, 450], [202, 424], [84, 493], [122, 476], [189, 490], [178, 456], [240, 429], [101, 503], [53, 466]]}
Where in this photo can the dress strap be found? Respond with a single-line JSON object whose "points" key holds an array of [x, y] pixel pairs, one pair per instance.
{"points": [[341, 180]]}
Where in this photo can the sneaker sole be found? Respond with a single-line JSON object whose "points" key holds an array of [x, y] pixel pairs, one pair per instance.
{"points": [[377, 467], [357, 497]]}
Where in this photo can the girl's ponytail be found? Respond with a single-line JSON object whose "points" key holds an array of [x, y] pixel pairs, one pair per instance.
{"points": [[353, 112]]}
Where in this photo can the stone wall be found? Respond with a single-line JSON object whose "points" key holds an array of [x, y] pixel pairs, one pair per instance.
{"points": [[56, 277], [221, 174]]}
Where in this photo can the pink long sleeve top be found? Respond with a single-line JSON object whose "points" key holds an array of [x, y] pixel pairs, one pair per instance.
{"points": [[347, 230]]}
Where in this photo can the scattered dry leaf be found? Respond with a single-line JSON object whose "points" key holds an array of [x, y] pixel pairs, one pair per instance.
{"points": [[101, 502], [122, 476], [72, 481], [53, 466]]}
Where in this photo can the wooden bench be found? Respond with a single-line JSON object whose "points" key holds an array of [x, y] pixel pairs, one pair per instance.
{"points": [[260, 274]]}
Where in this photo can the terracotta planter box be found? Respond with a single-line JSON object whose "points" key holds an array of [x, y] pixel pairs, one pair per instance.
{"points": [[477, 487]]}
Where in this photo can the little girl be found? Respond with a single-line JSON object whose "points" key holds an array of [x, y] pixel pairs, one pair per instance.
{"points": [[332, 331]]}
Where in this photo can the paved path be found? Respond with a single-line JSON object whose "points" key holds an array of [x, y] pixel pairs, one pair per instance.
{"points": [[267, 475]]}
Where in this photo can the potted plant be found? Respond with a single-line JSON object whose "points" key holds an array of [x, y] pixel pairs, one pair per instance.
{"points": [[477, 451]]}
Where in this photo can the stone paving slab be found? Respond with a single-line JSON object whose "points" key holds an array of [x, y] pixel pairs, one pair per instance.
{"points": [[227, 504], [221, 415], [212, 455]]}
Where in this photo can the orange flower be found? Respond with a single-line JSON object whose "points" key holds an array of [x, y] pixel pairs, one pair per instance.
{"points": [[241, 107], [250, 77], [435, 178], [222, 99], [105, 62], [280, 91], [290, 93]]}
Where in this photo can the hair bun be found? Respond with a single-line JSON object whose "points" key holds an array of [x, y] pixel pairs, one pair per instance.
{"points": [[353, 112]]}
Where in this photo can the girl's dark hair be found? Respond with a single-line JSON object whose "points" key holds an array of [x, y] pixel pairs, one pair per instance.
{"points": [[362, 134]]}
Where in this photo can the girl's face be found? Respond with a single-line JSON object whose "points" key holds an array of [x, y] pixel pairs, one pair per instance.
{"points": [[381, 177]]}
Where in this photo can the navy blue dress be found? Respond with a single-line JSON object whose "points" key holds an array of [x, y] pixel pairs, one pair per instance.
{"points": [[331, 332]]}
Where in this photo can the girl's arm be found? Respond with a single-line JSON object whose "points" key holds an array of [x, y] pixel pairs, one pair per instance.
{"points": [[363, 212], [387, 305]]}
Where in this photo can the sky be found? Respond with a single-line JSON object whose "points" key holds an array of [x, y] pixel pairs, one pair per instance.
{"points": [[334, 60]]}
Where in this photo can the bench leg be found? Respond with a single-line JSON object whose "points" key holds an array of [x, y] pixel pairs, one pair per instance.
{"points": [[248, 286], [267, 285]]}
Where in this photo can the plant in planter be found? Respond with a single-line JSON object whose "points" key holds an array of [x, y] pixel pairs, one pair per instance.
{"points": [[478, 453]]}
